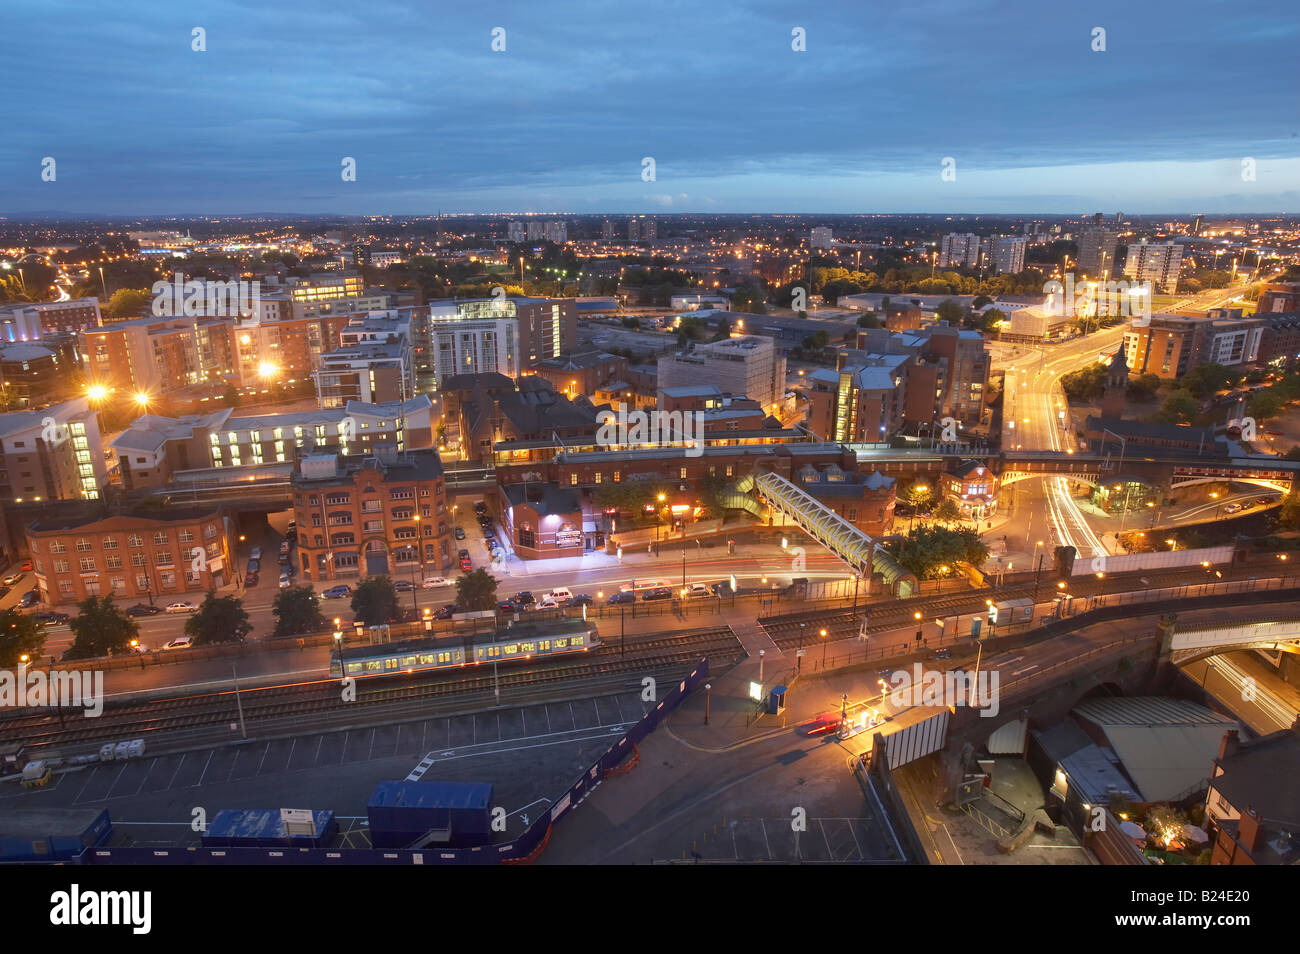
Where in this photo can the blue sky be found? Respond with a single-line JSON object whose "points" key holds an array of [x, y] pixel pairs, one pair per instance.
{"points": [[736, 121]]}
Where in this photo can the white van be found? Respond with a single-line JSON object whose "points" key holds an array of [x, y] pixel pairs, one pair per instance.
{"points": [[560, 595]]}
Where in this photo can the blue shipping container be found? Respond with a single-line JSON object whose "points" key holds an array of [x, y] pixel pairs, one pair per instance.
{"points": [[53, 834], [263, 828], [401, 812]]}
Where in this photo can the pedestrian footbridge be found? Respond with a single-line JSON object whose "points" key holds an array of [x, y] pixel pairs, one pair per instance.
{"points": [[831, 530], [1188, 644]]}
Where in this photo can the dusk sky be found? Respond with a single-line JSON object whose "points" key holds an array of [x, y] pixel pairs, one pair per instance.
{"points": [[736, 121]]}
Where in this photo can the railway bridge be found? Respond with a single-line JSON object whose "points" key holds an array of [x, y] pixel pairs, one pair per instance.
{"points": [[1188, 644]]}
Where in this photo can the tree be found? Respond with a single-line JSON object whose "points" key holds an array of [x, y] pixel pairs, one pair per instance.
{"points": [[1179, 408], [101, 628], [1264, 406], [868, 319], [927, 549], [1086, 384], [297, 611], [917, 493], [128, 302], [375, 601], [1143, 387], [947, 511], [476, 591], [1207, 379], [20, 636], [950, 312], [220, 619]]}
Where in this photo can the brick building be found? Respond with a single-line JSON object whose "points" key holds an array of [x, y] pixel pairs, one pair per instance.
{"points": [[361, 516], [131, 557]]}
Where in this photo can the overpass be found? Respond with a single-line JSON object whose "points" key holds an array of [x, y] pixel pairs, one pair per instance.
{"points": [[1188, 644], [1171, 470], [832, 531]]}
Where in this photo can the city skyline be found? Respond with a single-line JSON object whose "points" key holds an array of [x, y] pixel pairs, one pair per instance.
{"points": [[562, 118]]}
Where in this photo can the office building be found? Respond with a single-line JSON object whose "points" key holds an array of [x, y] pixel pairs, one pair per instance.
{"points": [[746, 366], [380, 514], [374, 363], [30, 321], [1169, 346], [960, 250], [821, 238], [131, 557]]}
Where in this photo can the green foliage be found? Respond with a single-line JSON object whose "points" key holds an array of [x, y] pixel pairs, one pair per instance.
{"points": [[297, 611], [101, 628], [868, 319], [374, 601], [1179, 408], [927, 548], [220, 619], [947, 511], [128, 303], [1143, 387], [19, 635], [1264, 405], [950, 312], [1086, 384], [476, 591], [1207, 379]]}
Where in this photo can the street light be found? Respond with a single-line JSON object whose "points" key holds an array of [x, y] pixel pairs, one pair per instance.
{"points": [[917, 616], [338, 647], [825, 643]]}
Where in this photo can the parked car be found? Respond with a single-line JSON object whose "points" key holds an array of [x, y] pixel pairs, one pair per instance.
{"points": [[622, 598], [30, 599], [824, 723], [180, 642], [721, 589], [51, 619], [582, 599], [699, 589], [337, 592], [480, 507], [433, 582], [13, 578], [26, 567], [250, 579], [143, 609], [561, 594], [466, 564], [1265, 501], [943, 654], [254, 566], [460, 534], [547, 603], [286, 581], [255, 553], [180, 606], [524, 598], [505, 606], [446, 612], [659, 593], [403, 586], [1233, 508], [3, 589]]}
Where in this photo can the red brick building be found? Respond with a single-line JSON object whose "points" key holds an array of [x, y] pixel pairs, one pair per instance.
{"points": [[131, 557], [363, 516]]}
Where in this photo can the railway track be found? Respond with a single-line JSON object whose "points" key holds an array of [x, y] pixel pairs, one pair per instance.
{"points": [[323, 701]]}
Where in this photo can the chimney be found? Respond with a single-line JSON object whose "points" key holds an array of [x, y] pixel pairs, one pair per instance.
{"points": [[1248, 831], [1230, 745]]}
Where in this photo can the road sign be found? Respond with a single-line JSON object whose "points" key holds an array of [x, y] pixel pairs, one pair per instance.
{"points": [[801, 652]]}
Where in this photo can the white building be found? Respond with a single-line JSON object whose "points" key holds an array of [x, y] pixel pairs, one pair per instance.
{"points": [[557, 232], [1157, 263], [747, 366], [1009, 255], [516, 232], [959, 249]]}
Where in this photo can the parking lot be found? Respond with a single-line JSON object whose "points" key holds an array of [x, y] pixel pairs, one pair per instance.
{"points": [[530, 754]]}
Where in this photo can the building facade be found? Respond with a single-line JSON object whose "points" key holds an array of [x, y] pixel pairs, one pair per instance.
{"points": [[52, 454], [132, 557], [360, 516], [745, 366]]}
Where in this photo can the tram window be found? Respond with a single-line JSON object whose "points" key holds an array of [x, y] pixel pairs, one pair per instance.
{"points": [[576, 641], [374, 665], [511, 649], [528, 647], [480, 653], [354, 668], [544, 646], [444, 657], [390, 662], [561, 643], [426, 658]]}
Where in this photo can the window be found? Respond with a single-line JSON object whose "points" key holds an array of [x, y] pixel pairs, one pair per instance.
{"points": [[210, 531], [185, 536], [58, 547], [682, 473], [137, 559], [110, 543], [134, 540], [115, 563], [342, 539], [374, 526], [597, 476], [83, 545], [160, 538], [87, 564], [61, 566], [618, 476], [573, 480], [163, 558]]}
